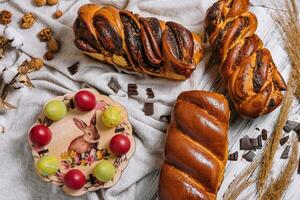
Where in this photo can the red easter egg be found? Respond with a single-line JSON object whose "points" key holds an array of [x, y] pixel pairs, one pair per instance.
{"points": [[74, 179], [40, 135], [119, 144], [85, 100]]}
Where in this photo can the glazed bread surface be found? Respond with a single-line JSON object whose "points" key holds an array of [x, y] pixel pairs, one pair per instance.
{"points": [[253, 81], [146, 45], [196, 148]]}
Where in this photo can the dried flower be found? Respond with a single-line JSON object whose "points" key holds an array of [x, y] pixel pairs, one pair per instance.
{"points": [[48, 55], [40, 2], [58, 13], [45, 34], [53, 45], [52, 2], [5, 105], [27, 20], [5, 17]]}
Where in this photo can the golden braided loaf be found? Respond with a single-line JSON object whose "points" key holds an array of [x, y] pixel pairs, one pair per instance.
{"points": [[196, 147], [146, 45], [253, 80]]}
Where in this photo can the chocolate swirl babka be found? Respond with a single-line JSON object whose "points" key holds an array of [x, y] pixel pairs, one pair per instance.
{"points": [[252, 78], [147, 45], [196, 148]]}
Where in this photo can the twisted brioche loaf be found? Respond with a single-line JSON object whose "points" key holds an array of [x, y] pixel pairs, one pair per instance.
{"points": [[139, 44], [196, 147], [253, 80]]}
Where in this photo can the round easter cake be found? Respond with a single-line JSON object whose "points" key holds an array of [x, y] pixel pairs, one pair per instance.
{"points": [[81, 142]]}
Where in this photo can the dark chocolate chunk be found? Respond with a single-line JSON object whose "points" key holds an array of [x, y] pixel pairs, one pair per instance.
{"points": [[256, 142], [42, 152], [284, 140], [249, 156], [165, 118], [118, 130], [285, 153], [289, 125], [245, 143], [132, 90], [150, 93], [297, 130], [264, 134], [233, 156], [114, 85], [257, 128], [148, 109], [73, 69]]}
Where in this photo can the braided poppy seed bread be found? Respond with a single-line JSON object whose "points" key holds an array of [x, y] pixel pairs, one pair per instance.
{"points": [[253, 81], [196, 148], [146, 45]]}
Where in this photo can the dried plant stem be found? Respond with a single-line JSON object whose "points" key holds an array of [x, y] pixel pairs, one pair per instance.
{"points": [[291, 41], [276, 189]]}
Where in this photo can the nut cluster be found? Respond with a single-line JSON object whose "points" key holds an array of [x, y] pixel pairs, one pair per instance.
{"points": [[27, 20], [5, 17], [45, 34], [44, 2]]}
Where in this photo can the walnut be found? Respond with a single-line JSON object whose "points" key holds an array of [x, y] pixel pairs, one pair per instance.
{"points": [[58, 14], [53, 45], [5, 17], [35, 64], [45, 34], [40, 2], [3, 41], [27, 20], [52, 2]]}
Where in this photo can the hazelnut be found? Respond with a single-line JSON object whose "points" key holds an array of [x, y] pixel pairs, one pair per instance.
{"points": [[58, 14], [48, 56], [53, 45], [40, 2], [52, 2]]}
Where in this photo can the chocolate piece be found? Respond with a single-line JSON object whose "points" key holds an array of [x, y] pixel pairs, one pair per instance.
{"points": [[249, 156], [148, 109], [233, 156], [245, 143], [264, 134], [73, 69], [257, 128], [284, 140], [285, 153], [150, 93], [256, 142], [118, 130], [289, 125], [297, 130], [114, 85], [132, 89]]}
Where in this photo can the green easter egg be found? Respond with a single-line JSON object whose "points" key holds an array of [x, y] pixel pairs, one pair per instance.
{"points": [[104, 171], [111, 117], [55, 110], [47, 165]]}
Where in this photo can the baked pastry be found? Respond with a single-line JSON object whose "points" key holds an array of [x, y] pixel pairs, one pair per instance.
{"points": [[147, 45], [196, 147], [253, 81]]}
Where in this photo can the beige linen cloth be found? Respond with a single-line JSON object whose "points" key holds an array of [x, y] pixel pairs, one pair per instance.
{"points": [[139, 181]]}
